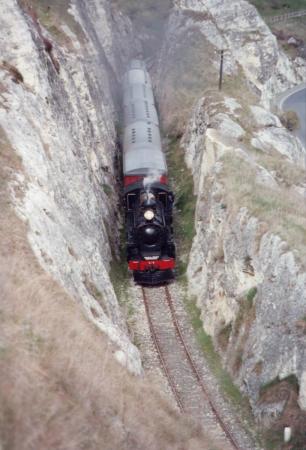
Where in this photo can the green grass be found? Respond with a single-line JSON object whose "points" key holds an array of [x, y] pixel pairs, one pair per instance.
{"points": [[273, 440], [107, 189], [291, 379], [185, 201], [229, 389], [251, 295], [119, 277], [273, 436], [224, 380], [276, 7]]}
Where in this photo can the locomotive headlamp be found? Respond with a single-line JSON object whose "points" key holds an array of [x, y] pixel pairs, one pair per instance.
{"points": [[149, 214]]}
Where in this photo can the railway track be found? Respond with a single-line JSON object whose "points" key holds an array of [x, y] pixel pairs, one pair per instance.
{"points": [[185, 380]]}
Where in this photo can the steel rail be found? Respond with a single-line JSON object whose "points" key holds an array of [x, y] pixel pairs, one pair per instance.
{"points": [[225, 429], [160, 354]]}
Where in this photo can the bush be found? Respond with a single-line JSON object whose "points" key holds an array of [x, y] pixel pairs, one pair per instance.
{"points": [[290, 120]]}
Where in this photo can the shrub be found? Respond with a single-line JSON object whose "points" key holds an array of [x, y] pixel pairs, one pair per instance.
{"points": [[290, 120]]}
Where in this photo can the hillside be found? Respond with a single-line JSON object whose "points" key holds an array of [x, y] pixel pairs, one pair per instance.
{"points": [[77, 363]]}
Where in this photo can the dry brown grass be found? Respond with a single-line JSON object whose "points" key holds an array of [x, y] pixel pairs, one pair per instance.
{"points": [[13, 71], [287, 173], [60, 387], [181, 87], [59, 384], [282, 209]]}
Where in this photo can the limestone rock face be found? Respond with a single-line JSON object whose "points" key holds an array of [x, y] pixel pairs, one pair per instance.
{"points": [[190, 57], [245, 267], [247, 41], [59, 116], [249, 284]]}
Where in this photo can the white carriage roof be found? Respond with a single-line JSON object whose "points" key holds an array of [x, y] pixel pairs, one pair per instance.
{"points": [[142, 148], [139, 133], [142, 143], [140, 110], [143, 161], [138, 91], [136, 76]]}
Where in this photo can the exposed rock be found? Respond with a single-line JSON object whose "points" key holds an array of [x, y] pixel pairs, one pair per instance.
{"points": [[232, 104], [293, 41], [249, 285], [219, 276], [265, 178], [228, 127], [248, 42], [264, 118], [280, 140], [62, 126]]}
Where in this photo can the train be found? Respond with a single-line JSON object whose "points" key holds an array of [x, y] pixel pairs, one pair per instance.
{"points": [[148, 199]]}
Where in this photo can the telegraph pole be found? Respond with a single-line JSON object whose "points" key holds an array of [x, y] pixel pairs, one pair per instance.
{"points": [[221, 70]]}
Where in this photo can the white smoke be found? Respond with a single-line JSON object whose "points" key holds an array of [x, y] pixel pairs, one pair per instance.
{"points": [[152, 177]]}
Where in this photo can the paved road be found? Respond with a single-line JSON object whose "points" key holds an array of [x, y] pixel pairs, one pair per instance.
{"points": [[295, 100]]}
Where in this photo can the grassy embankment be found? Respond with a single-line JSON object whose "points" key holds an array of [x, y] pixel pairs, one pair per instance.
{"points": [[60, 386], [276, 7], [295, 27], [281, 209], [182, 88], [182, 180]]}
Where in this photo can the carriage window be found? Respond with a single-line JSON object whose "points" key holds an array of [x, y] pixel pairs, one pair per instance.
{"points": [[131, 199], [162, 197]]}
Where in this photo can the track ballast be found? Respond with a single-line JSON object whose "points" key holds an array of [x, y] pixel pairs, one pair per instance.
{"points": [[184, 378]]}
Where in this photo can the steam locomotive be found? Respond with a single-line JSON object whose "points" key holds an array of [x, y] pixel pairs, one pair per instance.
{"points": [[148, 200]]}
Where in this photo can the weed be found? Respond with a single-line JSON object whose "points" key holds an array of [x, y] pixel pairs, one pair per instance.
{"points": [[16, 75], [258, 367], [273, 440], [213, 359], [224, 335], [246, 313], [182, 181], [276, 7], [291, 379], [251, 295], [119, 276], [238, 360], [107, 189]]}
